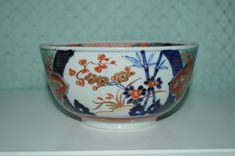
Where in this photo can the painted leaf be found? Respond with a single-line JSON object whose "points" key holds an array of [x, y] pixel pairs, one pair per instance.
{"points": [[100, 98], [108, 98], [110, 95], [151, 64], [138, 57], [137, 65], [163, 67], [150, 58], [132, 59], [162, 63]]}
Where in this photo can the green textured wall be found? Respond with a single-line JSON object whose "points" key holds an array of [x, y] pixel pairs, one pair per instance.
{"points": [[24, 24]]}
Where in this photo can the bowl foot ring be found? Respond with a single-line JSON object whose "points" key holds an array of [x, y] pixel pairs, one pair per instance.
{"points": [[131, 125]]}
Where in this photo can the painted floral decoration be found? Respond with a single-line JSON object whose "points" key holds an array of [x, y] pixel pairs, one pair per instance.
{"points": [[180, 82], [123, 76], [133, 95], [99, 66], [139, 94], [56, 83], [129, 94], [152, 83]]}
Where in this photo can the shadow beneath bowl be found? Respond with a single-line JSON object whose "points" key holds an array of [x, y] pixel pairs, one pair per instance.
{"points": [[60, 107], [176, 108]]}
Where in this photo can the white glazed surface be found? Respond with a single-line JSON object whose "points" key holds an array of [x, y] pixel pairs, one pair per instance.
{"points": [[86, 95]]}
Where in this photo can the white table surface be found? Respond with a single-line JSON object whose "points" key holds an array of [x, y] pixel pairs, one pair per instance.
{"points": [[32, 124]]}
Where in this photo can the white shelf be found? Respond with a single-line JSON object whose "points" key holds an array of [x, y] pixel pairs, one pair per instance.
{"points": [[32, 124]]}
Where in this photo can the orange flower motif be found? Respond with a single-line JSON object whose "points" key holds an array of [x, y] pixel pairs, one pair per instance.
{"points": [[113, 62], [132, 73], [98, 69], [94, 88], [91, 78], [101, 57], [80, 82], [102, 81], [72, 72], [127, 69], [123, 76], [103, 66], [82, 62], [114, 78], [85, 70], [135, 94], [152, 84]]}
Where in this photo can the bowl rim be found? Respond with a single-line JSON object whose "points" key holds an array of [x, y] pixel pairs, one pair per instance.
{"points": [[121, 46]]}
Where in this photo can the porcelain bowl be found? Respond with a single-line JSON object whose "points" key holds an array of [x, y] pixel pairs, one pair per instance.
{"points": [[119, 85]]}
